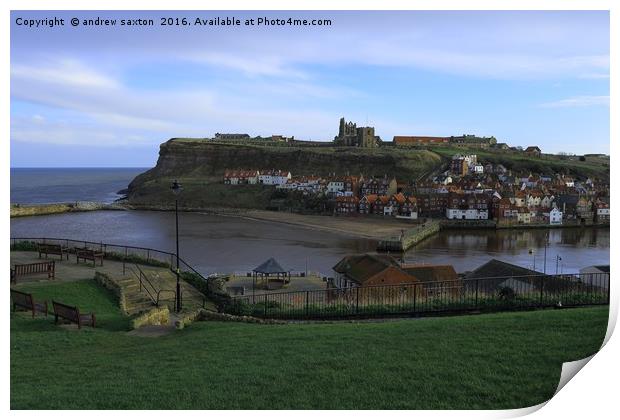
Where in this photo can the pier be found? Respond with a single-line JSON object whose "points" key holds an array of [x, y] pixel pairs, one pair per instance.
{"points": [[408, 237]]}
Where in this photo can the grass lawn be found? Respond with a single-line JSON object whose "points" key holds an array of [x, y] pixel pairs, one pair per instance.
{"points": [[506, 360]]}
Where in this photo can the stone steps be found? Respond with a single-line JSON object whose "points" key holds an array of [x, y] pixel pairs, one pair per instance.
{"points": [[136, 301]]}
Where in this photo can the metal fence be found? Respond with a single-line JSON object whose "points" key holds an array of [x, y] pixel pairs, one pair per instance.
{"points": [[127, 254], [423, 298]]}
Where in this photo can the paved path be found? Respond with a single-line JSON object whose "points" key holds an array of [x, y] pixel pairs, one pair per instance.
{"points": [[297, 284], [70, 270]]}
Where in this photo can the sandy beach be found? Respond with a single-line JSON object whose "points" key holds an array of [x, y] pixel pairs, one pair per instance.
{"points": [[369, 227]]}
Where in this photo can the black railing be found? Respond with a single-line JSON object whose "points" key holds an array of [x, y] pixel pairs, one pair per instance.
{"points": [[151, 290], [423, 298], [127, 254]]}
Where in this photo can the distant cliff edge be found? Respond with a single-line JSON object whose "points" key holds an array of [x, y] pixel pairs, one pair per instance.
{"points": [[200, 164]]}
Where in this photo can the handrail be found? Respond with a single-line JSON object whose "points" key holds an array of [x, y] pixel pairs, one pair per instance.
{"points": [[94, 243], [105, 245], [141, 284], [157, 299]]}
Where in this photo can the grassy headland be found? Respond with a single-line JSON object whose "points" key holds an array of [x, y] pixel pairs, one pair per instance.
{"points": [[200, 164]]}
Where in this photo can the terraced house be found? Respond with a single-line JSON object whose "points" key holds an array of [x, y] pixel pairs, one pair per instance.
{"points": [[347, 205]]}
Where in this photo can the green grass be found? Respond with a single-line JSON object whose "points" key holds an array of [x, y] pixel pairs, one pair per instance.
{"points": [[87, 295], [507, 360]]}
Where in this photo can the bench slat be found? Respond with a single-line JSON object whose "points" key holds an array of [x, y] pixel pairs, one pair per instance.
{"points": [[21, 270]]}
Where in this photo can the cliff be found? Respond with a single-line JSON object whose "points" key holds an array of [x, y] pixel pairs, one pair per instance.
{"points": [[200, 164]]}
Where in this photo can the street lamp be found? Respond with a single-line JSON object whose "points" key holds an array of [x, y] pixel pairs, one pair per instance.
{"points": [[531, 252], [176, 189], [557, 263], [546, 244]]}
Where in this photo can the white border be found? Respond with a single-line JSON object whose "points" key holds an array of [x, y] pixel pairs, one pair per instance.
{"points": [[591, 393]]}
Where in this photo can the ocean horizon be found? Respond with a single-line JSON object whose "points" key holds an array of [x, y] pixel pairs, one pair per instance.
{"points": [[44, 185]]}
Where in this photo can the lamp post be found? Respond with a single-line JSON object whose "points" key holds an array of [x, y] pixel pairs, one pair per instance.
{"points": [[546, 243], [176, 189], [557, 263], [531, 251]]}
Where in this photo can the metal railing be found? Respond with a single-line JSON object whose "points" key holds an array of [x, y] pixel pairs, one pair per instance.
{"points": [[124, 253], [153, 292], [423, 298]]}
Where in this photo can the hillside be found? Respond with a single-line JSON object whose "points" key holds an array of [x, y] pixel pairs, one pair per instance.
{"points": [[593, 166], [200, 164]]}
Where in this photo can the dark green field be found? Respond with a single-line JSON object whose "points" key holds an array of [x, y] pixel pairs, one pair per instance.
{"points": [[507, 360]]}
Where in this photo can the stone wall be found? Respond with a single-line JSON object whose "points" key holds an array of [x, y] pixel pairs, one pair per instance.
{"points": [[109, 283], [409, 238], [156, 316]]}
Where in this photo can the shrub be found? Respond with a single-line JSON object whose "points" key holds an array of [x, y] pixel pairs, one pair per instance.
{"points": [[222, 300], [506, 294], [135, 259], [24, 246]]}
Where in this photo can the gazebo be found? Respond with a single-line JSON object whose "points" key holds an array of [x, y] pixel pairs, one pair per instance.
{"points": [[269, 270]]}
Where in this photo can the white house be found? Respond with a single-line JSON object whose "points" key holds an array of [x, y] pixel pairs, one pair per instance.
{"points": [[478, 169], [467, 214], [533, 200], [253, 177], [289, 185], [335, 186], [602, 213], [274, 177], [444, 179], [546, 201], [240, 177], [555, 216], [524, 216]]}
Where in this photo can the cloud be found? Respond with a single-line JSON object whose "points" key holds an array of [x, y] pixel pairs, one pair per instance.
{"points": [[119, 114], [577, 101], [271, 66], [64, 72], [296, 81]]}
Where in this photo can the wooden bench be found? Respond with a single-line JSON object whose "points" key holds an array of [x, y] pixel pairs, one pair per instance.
{"points": [[26, 301], [89, 255], [22, 270], [53, 249], [72, 314]]}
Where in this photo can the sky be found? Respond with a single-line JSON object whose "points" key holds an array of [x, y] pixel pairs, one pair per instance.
{"points": [[109, 96]]}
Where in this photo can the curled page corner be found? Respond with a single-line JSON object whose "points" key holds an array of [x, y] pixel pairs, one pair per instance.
{"points": [[569, 370]]}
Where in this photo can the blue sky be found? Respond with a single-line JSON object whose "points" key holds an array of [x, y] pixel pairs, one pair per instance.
{"points": [[109, 96]]}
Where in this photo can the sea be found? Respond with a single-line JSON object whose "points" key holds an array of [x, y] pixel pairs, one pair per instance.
{"points": [[65, 185]]}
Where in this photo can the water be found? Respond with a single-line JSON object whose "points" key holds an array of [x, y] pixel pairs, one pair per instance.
{"points": [[225, 244], [571, 248], [62, 185]]}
